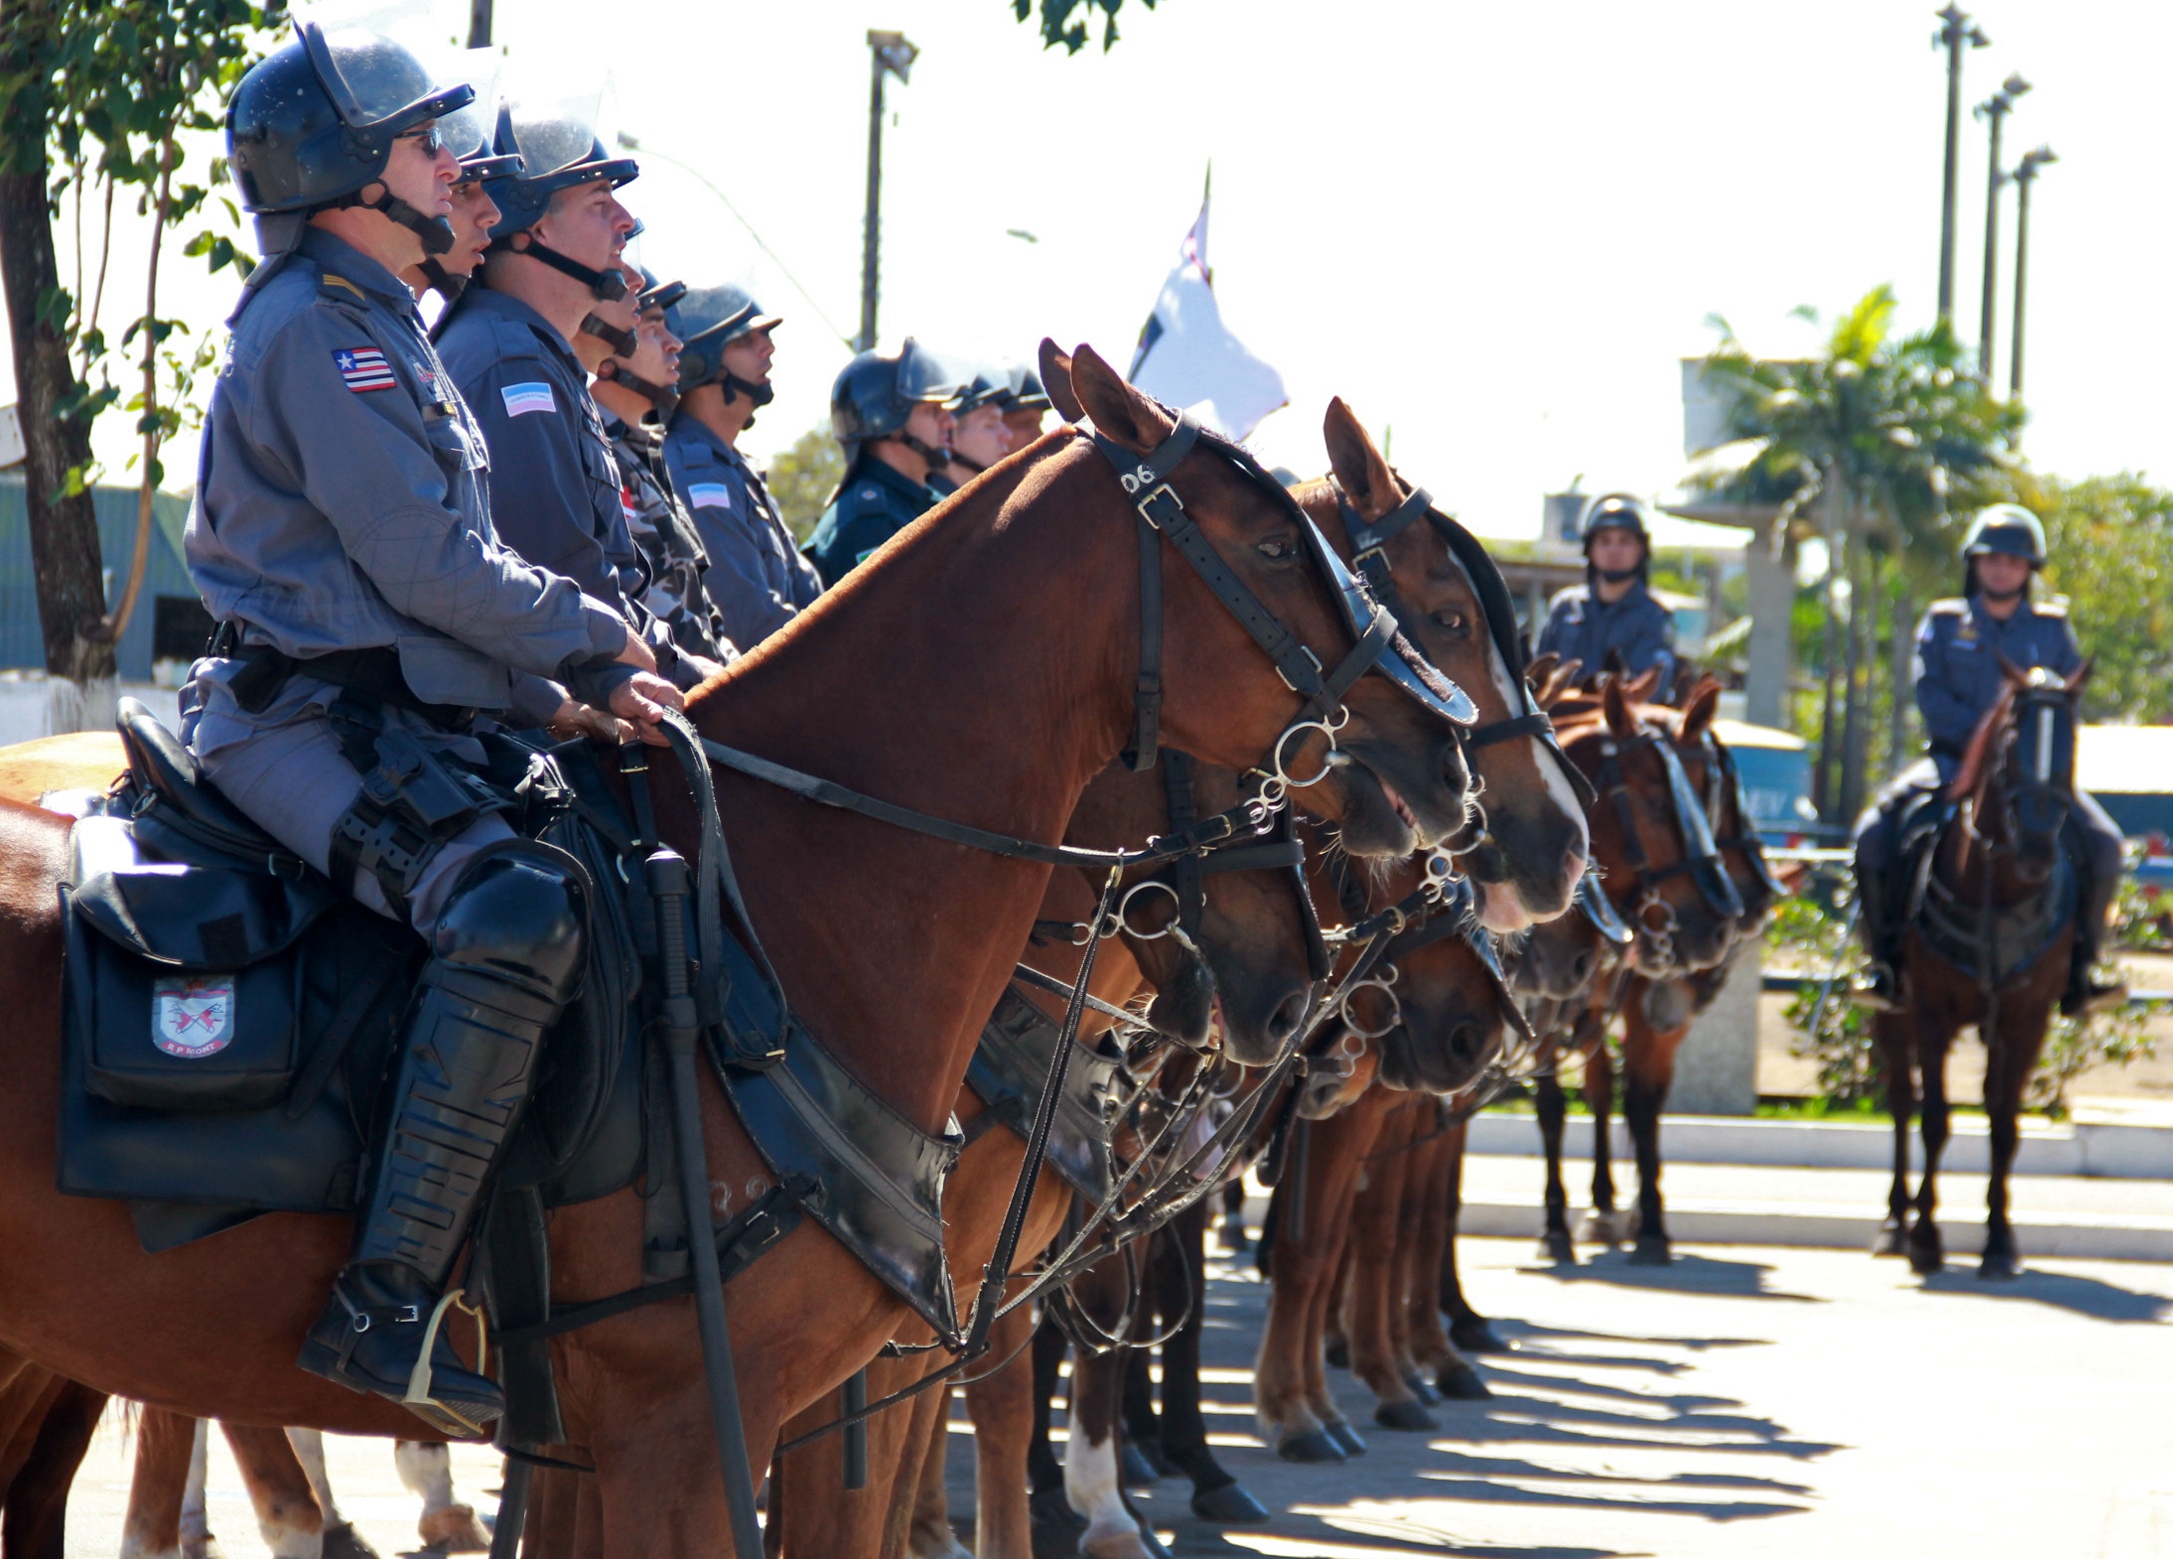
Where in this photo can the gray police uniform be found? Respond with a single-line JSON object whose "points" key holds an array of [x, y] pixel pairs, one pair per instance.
{"points": [[556, 485], [1582, 627], [342, 505], [669, 543], [757, 580], [1958, 652], [873, 504]]}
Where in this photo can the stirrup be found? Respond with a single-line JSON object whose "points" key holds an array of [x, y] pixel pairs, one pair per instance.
{"points": [[2086, 996], [1878, 988]]}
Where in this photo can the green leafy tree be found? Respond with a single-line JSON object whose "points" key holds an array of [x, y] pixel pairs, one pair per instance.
{"points": [[95, 101], [1065, 21], [803, 477], [1872, 445], [2109, 541]]}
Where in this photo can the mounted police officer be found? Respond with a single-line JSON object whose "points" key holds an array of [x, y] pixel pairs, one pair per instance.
{"points": [[554, 257], [368, 614], [1613, 610], [636, 387], [756, 578], [979, 436], [467, 131], [893, 415], [1959, 647]]}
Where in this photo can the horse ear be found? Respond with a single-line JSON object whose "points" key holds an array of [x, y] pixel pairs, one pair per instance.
{"points": [[1704, 704], [1114, 407], [1640, 688], [1358, 465], [1056, 379], [2079, 678], [1565, 680], [2014, 674], [1615, 704], [1538, 669]]}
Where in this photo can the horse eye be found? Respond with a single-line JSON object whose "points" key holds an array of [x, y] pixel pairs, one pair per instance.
{"points": [[1452, 621], [1278, 548]]}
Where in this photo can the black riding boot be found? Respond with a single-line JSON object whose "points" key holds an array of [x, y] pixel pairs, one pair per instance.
{"points": [[1879, 988], [2093, 914], [507, 959]]}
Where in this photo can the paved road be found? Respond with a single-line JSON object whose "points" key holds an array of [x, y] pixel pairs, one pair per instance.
{"points": [[1744, 1401]]}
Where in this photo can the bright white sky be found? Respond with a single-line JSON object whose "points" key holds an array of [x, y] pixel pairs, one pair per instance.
{"points": [[1492, 228]]}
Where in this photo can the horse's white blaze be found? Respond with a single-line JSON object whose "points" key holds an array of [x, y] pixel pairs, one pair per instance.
{"points": [[2044, 744], [1091, 1487]]}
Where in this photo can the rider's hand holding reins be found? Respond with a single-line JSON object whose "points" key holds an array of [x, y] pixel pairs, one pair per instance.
{"points": [[642, 701]]}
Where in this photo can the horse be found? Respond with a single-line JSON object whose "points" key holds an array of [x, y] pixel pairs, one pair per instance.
{"points": [[1989, 943], [983, 668]]}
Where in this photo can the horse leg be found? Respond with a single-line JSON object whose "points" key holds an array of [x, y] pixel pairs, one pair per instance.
{"points": [[1603, 1224], [823, 1516], [1179, 1274], [34, 1518], [341, 1540], [1469, 1331], [288, 1514], [426, 1471], [1335, 1328], [1143, 1464], [1002, 1407], [166, 1446], [2011, 1055], [1927, 1253], [1552, 1107], [1045, 1474], [1372, 1297], [554, 1513], [1892, 1033], [1419, 1261], [1648, 1069]]}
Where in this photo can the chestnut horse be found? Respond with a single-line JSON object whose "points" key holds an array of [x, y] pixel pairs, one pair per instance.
{"points": [[1989, 946], [982, 668]]}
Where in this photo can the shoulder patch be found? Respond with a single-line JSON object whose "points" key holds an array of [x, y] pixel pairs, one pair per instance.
{"points": [[2049, 608], [709, 495], [869, 495], [521, 399], [364, 368], [1951, 606]]}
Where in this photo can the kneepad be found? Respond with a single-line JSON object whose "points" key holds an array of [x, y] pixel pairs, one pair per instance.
{"points": [[518, 915]]}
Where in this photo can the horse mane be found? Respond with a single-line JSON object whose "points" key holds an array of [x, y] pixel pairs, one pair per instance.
{"points": [[1975, 759]]}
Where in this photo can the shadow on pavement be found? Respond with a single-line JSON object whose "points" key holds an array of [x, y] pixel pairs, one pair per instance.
{"points": [[2063, 1290], [1685, 1274]]}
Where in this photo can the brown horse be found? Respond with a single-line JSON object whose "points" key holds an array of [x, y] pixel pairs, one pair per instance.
{"points": [[1989, 946], [983, 670]]}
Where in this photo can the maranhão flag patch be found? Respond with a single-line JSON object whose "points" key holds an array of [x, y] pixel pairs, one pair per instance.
{"points": [[364, 368], [709, 495], [524, 398]]}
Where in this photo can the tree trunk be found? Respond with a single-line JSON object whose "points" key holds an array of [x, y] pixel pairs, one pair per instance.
{"points": [[1863, 667], [1903, 672], [1822, 778], [64, 549]]}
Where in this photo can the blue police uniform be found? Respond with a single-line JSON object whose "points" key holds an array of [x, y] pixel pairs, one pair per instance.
{"points": [[756, 578], [678, 564], [556, 492], [873, 504], [342, 504], [1582, 627]]}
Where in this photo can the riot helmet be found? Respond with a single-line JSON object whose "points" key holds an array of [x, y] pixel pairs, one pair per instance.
{"points": [[1024, 390], [468, 131], [1615, 511], [312, 125], [558, 151], [619, 369], [709, 319], [2007, 530], [875, 394], [978, 443]]}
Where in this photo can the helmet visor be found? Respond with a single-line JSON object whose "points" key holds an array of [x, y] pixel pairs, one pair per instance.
{"points": [[375, 83], [924, 377]]}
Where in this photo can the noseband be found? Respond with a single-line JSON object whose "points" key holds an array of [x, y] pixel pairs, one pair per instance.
{"points": [[1700, 854]]}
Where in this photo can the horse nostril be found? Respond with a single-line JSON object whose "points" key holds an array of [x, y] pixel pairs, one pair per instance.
{"points": [[1464, 1042], [1289, 1014], [1580, 967]]}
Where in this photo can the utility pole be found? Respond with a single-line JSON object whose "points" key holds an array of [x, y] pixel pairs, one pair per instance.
{"points": [[479, 24], [888, 54], [1993, 111], [2025, 176], [1955, 30]]}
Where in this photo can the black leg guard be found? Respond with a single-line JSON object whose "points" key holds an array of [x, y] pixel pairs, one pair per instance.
{"points": [[507, 958], [2095, 890], [1879, 912]]}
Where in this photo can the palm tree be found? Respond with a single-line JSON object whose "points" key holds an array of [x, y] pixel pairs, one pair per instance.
{"points": [[1873, 446]]}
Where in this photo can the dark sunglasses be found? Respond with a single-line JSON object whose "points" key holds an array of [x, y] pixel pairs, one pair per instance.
{"points": [[431, 139]]}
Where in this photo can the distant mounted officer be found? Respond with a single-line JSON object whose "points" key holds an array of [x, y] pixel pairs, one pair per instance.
{"points": [[1959, 647], [1613, 610], [368, 615], [636, 387], [893, 415], [757, 579], [979, 436], [555, 256]]}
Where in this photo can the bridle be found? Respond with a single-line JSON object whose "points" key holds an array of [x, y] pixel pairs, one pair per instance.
{"points": [[1369, 556], [1653, 916], [1723, 788]]}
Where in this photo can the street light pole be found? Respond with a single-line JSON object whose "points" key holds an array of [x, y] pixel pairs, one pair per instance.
{"points": [[1955, 30], [2025, 176], [888, 54], [1993, 111]]}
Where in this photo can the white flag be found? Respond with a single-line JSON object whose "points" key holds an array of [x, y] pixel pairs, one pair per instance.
{"points": [[1188, 358]]}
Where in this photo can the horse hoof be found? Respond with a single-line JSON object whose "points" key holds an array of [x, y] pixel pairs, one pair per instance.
{"points": [[204, 1547], [1228, 1505], [1459, 1382], [1476, 1334], [2000, 1268], [1405, 1416], [453, 1530], [1337, 1351], [1138, 1472], [1347, 1437], [344, 1542], [1651, 1250], [1602, 1228], [1889, 1241], [1927, 1253], [1316, 1445], [1556, 1246], [1422, 1388], [1050, 1511]]}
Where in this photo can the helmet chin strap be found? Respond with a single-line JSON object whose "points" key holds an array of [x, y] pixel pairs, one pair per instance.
{"points": [[436, 233], [664, 397], [735, 386], [935, 454], [606, 286], [1616, 576], [974, 466], [623, 343], [442, 281]]}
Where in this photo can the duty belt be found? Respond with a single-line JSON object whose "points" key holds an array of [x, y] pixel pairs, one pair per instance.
{"points": [[372, 675]]}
